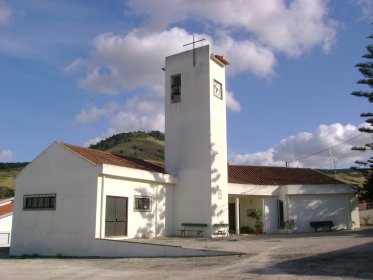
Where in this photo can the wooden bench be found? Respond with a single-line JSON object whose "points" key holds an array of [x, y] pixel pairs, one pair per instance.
{"points": [[221, 229], [320, 224], [192, 227]]}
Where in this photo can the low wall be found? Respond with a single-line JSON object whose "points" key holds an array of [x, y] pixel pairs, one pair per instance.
{"points": [[111, 248], [366, 213]]}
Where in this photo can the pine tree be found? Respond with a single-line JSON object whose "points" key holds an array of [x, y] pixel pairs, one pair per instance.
{"points": [[366, 69]]}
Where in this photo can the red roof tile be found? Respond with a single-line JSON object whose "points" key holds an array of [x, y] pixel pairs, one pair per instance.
{"points": [[222, 59], [264, 175], [6, 209], [101, 157], [239, 174]]}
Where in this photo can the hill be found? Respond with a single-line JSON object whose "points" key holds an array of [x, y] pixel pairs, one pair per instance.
{"points": [[7, 173], [143, 145], [348, 176]]}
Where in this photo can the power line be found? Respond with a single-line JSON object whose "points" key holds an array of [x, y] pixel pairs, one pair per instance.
{"points": [[311, 155]]}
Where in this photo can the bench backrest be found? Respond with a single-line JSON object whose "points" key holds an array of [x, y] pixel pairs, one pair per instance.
{"points": [[322, 224], [221, 225], [194, 225]]}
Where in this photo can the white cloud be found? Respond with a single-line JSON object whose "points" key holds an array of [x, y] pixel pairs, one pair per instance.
{"points": [[306, 143], [92, 141], [232, 103], [366, 8], [75, 65], [144, 113], [250, 34], [291, 27], [124, 63], [94, 113], [5, 13], [247, 56], [6, 155]]}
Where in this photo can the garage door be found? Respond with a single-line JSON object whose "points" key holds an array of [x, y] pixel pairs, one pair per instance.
{"points": [[306, 208]]}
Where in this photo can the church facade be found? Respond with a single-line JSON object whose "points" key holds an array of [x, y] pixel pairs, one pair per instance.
{"points": [[76, 201]]}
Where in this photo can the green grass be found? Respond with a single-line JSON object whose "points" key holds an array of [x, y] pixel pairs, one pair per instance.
{"points": [[348, 176], [8, 173], [135, 144]]}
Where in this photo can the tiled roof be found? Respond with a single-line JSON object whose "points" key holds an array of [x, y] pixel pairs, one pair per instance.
{"points": [[6, 208], [264, 175], [100, 157], [239, 174], [222, 59]]}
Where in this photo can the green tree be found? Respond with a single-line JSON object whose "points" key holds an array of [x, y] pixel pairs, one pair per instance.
{"points": [[366, 69]]}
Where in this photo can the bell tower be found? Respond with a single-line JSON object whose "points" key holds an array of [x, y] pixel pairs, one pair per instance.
{"points": [[195, 136]]}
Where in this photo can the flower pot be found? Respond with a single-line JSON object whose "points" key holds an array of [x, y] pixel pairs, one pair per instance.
{"points": [[258, 231]]}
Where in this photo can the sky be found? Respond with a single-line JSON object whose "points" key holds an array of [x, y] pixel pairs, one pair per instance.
{"points": [[79, 71]]}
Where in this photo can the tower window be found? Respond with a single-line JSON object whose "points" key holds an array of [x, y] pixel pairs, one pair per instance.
{"points": [[176, 88], [218, 89]]}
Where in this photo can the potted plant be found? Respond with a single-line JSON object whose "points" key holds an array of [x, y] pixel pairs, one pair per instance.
{"points": [[352, 225], [290, 225], [256, 215], [282, 228], [150, 234]]}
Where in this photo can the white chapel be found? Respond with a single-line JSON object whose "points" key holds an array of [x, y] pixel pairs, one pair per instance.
{"points": [[75, 201]]}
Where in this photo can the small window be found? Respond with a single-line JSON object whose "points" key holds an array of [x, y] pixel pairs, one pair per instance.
{"points": [[176, 88], [39, 202], [218, 89], [143, 203]]}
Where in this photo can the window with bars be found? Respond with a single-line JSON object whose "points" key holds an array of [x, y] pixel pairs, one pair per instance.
{"points": [[39, 202], [143, 203]]}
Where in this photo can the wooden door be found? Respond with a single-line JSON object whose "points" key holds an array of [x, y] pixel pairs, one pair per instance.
{"points": [[116, 216]]}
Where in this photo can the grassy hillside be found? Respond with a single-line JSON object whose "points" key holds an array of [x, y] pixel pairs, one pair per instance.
{"points": [[134, 144], [348, 176], [7, 173]]}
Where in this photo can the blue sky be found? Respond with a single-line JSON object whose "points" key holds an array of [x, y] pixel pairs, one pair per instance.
{"points": [[80, 71]]}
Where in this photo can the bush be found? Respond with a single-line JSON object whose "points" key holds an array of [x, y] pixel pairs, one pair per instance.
{"points": [[246, 230], [6, 192]]}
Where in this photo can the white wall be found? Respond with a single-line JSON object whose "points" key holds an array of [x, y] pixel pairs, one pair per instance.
{"points": [[270, 215], [71, 229], [246, 189], [159, 220], [218, 150], [322, 207], [72, 224], [195, 140], [365, 214], [302, 203], [5, 229]]}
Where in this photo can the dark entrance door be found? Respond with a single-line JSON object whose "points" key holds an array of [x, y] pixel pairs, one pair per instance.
{"points": [[280, 212], [116, 216], [232, 216]]}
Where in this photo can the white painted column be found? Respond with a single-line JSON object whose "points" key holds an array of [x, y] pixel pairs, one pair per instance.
{"points": [[102, 202], [237, 215]]}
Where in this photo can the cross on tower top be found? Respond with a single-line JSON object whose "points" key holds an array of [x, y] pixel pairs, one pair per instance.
{"points": [[193, 43]]}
